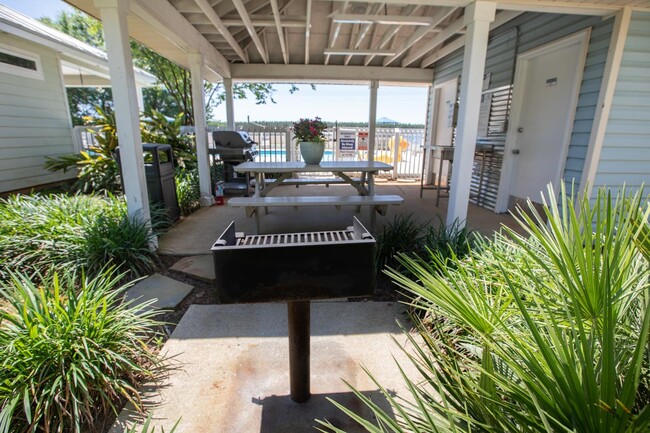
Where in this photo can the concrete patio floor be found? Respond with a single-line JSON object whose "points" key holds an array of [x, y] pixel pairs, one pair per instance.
{"points": [[196, 233], [232, 368], [231, 361]]}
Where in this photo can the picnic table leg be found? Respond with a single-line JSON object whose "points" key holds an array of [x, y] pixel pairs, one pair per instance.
{"points": [[299, 332]]}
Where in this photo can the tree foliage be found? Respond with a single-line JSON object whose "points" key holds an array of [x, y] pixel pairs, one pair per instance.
{"points": [[172, 96]]}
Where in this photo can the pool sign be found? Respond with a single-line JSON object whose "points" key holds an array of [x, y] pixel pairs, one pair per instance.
{"points": [[363, 140], [347, 141]]}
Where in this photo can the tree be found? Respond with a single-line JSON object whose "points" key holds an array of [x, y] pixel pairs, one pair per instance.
{"points": [[174, 93]]}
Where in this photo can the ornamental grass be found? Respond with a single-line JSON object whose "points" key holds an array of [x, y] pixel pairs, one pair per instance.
{"points": [[70, 351]]}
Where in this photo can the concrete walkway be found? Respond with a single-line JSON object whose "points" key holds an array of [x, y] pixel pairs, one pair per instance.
{"points": [[232, 370]]}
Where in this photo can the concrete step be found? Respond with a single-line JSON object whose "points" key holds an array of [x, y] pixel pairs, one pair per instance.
{"points": [[168, 293], [198, 267]]}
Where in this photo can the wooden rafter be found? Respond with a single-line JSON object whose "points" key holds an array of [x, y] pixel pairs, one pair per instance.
{"points": [[420, 33], [438, 40], [500, 19], [278, 27], [243, 13], [262, 32], [221, 27], [391, 32], [335, 30], [363, 32]]}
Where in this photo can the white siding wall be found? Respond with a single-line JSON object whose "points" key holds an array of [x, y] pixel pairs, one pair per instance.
{"points": [[625, 156], [34, 122]]}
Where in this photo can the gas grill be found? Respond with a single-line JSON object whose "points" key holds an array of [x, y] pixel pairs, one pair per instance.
{"points": [[294, 268], [234, 147]]}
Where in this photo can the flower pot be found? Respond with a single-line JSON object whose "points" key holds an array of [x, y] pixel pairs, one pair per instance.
{"points": [[311, 152]]}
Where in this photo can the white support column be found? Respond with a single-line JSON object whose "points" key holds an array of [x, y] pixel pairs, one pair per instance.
{"points": [[230, 104], [127, 117], [372, 122], [200, 128], [478, 16]]}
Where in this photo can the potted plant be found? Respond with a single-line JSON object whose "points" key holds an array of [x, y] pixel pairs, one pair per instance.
{"points": [[309, 135]]}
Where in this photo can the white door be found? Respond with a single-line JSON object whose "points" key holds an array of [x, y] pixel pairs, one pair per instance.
{"points": [[545, 97]]}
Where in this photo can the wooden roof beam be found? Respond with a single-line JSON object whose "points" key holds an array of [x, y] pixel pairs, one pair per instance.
{"points": [[243, 13], [307, 31], [401, 20], [295, 21], [356, 52]]}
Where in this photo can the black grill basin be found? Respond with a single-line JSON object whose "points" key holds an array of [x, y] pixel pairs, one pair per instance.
{"points": [[294, 266]]}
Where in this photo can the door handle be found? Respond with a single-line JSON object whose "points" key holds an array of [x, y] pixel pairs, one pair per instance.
{"points": [[515, 151]]}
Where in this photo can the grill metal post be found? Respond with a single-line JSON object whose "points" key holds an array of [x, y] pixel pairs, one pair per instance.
{"points": [[299, 332]]}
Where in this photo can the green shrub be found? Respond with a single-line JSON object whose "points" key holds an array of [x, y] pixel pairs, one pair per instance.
{"points": [[60, 231], [402, 234], [447, 241], [121, 242], [40, 232], [69, 350], [188, 190], [550, 329], [405, 235]]}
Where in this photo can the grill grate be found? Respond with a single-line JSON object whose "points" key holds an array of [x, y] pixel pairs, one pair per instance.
{"points": [[306, 238]]}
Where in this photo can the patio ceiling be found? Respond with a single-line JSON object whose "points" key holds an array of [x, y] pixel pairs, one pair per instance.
{"points": [[321, 40]]}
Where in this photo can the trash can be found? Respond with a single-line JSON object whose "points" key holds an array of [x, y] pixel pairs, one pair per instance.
{"points": [[159, 172]]}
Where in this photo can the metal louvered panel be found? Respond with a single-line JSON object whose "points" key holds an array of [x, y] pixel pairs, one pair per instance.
{"points": [[488, 158]]}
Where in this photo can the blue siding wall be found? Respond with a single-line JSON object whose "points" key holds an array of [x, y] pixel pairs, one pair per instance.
{"points": [[528, 31], [625, 155]]}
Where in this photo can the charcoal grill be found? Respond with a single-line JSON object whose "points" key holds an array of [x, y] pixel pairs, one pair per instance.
{"points": [[234, 147], [295, 268]]}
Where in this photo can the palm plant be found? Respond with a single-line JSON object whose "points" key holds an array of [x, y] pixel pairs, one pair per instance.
{"points": [[551, 328]]}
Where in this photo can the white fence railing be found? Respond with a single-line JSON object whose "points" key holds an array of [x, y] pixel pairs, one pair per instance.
{"points": [[277, 144]]}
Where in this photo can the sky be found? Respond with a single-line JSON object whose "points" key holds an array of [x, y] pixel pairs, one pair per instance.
{"points": [[330, 102]]}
